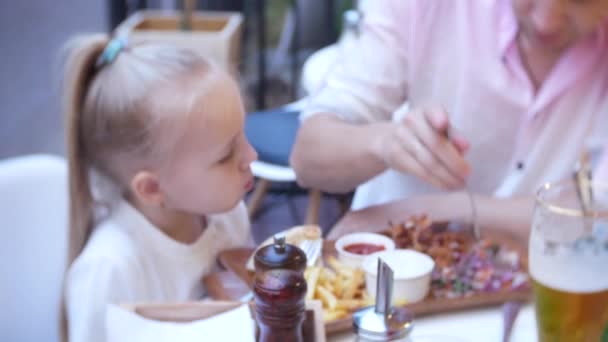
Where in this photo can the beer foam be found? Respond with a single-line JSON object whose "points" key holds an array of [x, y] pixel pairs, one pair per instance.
{"points": [[567, 269]]}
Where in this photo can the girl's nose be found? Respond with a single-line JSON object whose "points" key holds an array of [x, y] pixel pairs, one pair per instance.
{"points": [[249, 156]]}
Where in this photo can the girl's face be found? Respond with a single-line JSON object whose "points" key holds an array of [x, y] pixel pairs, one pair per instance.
{"points": [[209, 171], [555, 25]]}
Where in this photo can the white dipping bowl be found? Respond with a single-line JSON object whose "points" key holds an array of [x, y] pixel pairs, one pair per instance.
{"points": [[356, 260], [412, 274]]}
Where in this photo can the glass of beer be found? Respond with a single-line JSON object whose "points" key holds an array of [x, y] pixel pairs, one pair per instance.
{"points": [[568, 261]]}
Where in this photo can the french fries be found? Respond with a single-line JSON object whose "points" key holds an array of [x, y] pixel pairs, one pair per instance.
{"points": [[312, 277], [333, 315], [327, 298], [340, 288]]}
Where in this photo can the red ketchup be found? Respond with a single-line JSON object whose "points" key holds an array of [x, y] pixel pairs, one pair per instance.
{"points": [[363, 248]]}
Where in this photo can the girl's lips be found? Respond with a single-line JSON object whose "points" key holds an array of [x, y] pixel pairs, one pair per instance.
{"points": [[249, 185]]}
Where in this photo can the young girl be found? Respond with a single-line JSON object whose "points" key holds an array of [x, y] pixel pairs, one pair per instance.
{"points": [[163, 130]]}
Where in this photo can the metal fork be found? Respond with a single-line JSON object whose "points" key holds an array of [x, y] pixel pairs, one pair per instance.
{"points": [[582, 179], [449, 132], [312, 249]]}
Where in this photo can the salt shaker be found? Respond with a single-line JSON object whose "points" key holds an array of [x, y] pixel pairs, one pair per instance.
{"points": [[383, 322]]}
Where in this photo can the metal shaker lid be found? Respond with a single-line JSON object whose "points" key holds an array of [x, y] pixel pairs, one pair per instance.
{"points": [[382, 322], [280, 255]]}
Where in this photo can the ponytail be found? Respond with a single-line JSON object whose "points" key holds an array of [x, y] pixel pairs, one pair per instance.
{"points": [[79, 70]]}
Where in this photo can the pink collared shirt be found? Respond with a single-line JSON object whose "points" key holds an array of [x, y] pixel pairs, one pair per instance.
{"points": [[462, 55]]}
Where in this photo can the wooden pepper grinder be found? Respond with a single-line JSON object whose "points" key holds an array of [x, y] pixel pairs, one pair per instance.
{"points": [[279, 255], [280, 291]]}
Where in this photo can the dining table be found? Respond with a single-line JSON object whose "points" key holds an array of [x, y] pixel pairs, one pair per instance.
{"points": [[476, 324]]}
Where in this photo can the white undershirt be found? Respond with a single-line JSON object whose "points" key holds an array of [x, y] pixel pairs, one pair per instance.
{"points": [[128, 260]]}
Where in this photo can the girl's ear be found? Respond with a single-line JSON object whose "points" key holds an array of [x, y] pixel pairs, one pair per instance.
{"points": [[146, 187]]}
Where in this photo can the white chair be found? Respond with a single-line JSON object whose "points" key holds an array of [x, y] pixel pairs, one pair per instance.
{"points": [[33, 223]]}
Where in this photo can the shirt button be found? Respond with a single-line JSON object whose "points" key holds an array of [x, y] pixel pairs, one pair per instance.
{"points": [[520, 165]]}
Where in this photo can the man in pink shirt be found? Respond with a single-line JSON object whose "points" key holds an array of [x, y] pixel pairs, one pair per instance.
{"points": [[499, 96]]}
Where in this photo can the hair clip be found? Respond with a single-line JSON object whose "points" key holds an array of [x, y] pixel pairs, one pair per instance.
{"points": [[110, 52]]}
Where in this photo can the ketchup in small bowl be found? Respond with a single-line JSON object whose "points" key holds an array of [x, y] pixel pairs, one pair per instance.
{"points": [[354, 247], [363, 248]]}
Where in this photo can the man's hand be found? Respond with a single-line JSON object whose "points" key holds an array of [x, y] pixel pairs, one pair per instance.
{"points": [[422, 145]]}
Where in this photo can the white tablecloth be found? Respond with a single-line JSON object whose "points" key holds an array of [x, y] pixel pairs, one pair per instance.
{"points": [[469, 326], [466, 326], [126, 326]]}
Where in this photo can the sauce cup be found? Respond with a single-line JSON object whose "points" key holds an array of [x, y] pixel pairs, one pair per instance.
{"points": [[354, 248], [412, 274]]}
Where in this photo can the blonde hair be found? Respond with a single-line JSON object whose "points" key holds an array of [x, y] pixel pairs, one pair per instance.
{"points": [[110, 122]]}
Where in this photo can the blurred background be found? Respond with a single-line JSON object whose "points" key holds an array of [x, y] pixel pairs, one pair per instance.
{"points": [[277, 39], [32, 33]]}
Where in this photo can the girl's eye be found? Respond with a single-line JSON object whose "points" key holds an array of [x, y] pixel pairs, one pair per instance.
{"points": [[227, 157]]}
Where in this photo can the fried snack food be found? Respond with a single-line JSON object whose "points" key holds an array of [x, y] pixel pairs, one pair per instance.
{"points": [[340, 288], [463, 267], [445, 247]]}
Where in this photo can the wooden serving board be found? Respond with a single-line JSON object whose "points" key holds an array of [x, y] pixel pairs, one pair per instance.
{"points": [[235, 260]]}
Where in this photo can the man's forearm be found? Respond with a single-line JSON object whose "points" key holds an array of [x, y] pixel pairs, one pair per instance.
{"points": [[335, 156]]}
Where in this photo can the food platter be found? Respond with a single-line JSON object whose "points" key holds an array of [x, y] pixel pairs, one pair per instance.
{"points": [[468, 274]]}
